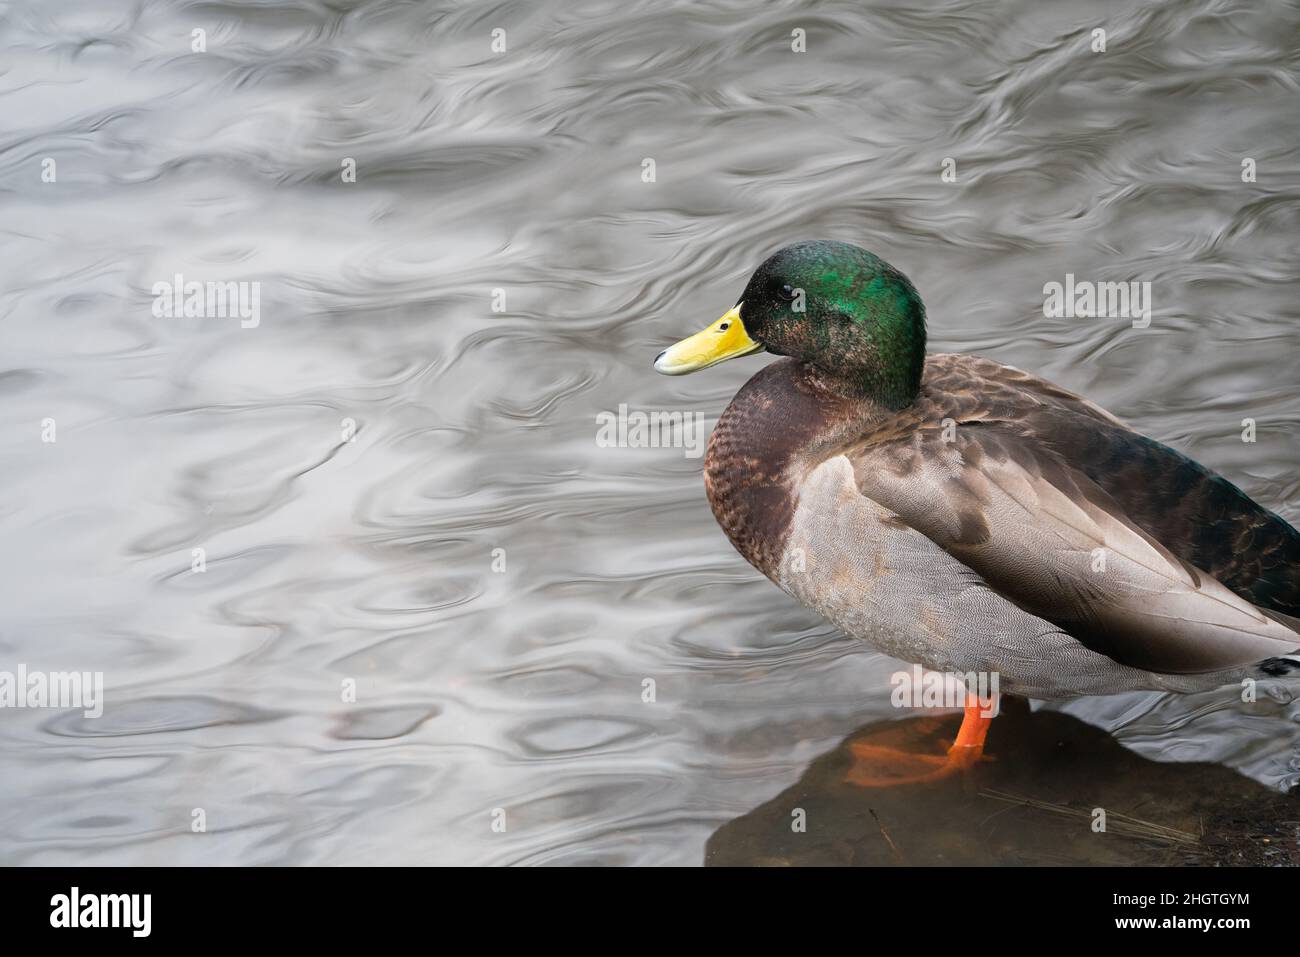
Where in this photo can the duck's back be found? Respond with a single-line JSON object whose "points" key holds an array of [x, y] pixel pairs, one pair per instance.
{"points": [[1196, 514]]}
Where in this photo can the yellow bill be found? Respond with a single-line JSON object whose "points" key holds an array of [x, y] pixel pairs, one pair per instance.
{"points": [[723, 340]]}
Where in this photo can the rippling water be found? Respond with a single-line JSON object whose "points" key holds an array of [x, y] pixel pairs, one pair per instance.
{"points": [[369, 558]]}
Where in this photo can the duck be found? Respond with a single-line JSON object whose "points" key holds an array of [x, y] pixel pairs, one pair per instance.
{"points": [[972, 518]]}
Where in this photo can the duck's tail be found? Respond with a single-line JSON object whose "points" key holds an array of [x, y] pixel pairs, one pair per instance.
{"points": [[1281, 666]]}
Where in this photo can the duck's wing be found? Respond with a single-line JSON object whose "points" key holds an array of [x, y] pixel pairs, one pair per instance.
{"points": [[1198, 515], [865, 569], [993, 485]]}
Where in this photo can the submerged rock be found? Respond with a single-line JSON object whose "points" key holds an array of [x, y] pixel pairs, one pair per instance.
{"points": [[1051, 784]]}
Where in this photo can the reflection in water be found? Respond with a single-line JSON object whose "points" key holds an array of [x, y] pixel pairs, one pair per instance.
{"points": [[1055, 792], [366, 557]]}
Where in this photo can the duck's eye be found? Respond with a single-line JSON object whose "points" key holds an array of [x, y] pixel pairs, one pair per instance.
{"points": [[787, 292]]}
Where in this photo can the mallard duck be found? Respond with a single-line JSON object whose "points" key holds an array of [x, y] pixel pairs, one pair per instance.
{"points": [[972, 518]]}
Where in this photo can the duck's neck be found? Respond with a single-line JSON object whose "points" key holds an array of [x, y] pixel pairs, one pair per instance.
{"points": [[891, 389], [889, 370], [880, 355]]}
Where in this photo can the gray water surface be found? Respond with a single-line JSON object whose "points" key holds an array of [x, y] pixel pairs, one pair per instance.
{"points": [[366, 558]]}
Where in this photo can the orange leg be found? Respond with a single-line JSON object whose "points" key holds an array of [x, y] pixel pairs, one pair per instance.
{"points": [[968, 749], [881, 766]]}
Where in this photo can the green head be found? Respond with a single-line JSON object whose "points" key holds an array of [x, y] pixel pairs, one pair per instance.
{"points": [[832, 305]]}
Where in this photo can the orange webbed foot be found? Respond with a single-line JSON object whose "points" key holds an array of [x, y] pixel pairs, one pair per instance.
{"points": [[878, 765]]}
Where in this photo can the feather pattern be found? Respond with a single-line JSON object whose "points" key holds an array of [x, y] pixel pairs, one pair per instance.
{"points": [[1002, 523]]}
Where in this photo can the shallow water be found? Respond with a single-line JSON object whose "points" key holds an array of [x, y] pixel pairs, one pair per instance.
{"points": [[370, 559]]}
